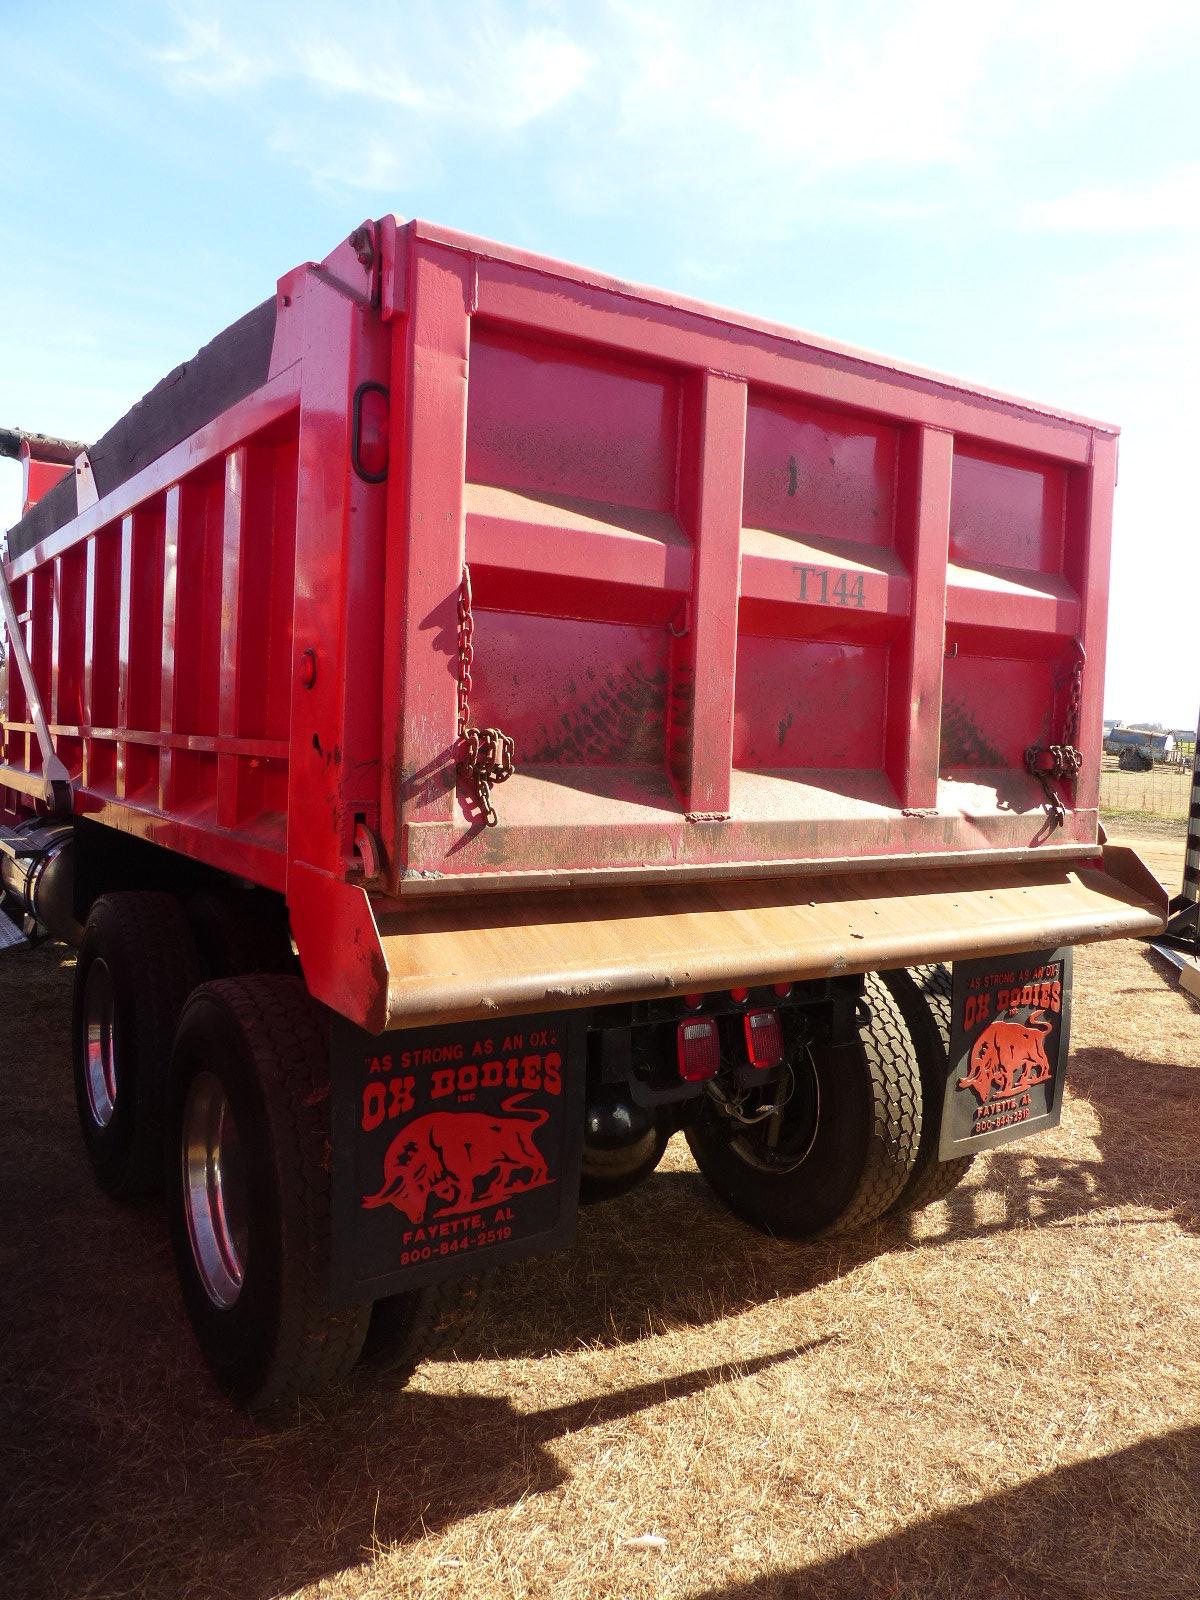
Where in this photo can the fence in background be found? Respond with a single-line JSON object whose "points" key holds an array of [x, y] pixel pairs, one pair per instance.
{"points": [[1164, 791]]}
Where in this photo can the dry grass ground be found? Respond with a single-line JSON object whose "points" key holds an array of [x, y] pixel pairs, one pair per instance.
{"points": [[999, 1399]]}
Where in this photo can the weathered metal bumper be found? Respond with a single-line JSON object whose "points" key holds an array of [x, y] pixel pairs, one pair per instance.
{"points": [[497, 955]]}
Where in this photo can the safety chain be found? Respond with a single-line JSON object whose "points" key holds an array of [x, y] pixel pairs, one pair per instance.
{"points": [[1054, 763], [486, 754]]}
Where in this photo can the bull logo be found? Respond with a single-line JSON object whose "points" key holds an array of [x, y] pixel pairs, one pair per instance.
{"points": [[453, 1161], [1008, 1057]]}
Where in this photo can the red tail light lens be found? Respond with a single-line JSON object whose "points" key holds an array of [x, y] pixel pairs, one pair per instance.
{"points": [[739, 996], [764, 1039], [371, 432], [698, 1048]]}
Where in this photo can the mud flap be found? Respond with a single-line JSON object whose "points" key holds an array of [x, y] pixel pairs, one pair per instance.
{"points": [[455, 1148], [1009, 1035]]}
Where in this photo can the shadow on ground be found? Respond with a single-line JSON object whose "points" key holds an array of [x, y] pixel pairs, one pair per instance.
{"points": [[1074, 1534]]}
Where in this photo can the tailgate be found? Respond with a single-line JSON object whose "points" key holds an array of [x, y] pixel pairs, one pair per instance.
{"points": [[738, 597]]}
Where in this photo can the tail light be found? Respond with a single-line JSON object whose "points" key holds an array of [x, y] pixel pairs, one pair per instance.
{"points": [[370, 444], [739, 996], [698, 1048], [764, 1039]]}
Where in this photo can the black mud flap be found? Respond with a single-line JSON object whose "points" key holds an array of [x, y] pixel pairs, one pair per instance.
{"points": [[454, 1148], [1009, 1034]]}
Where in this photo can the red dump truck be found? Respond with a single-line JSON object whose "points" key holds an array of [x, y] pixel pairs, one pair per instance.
{"points": [[480, 718]]}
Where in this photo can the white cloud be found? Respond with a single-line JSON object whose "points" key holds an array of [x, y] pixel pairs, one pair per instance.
{"points": [[498, 79], [765, 111], [356, 158], [773, 118], [422, 76], [1169, 203], [203, 57]]}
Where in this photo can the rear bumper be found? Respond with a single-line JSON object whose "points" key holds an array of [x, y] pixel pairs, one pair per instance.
{"points": [[502, 955]]}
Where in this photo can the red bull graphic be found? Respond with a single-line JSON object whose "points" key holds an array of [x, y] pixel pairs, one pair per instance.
{"points": [[1009, 1056], [448, 1162], [1008, 1049], [453, 1147]]}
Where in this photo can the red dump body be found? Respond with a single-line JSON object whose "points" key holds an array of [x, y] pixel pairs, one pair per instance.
{"points": [[748, 603]]}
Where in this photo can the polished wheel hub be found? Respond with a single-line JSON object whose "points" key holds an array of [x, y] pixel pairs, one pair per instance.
{"points": [[100, 1077], [214, 1188]]}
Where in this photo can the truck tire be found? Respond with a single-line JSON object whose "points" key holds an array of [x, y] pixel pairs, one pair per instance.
{"points": [[136, 966], [852, 1140], [249, 1189], [923, 995], [1133, 760], [407, 1329]]}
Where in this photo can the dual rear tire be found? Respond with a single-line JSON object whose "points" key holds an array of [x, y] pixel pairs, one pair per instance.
{"points": [[859, 1134], [844, 1146], [219, 1092]]}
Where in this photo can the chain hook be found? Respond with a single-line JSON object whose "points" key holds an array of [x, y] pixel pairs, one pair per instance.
{"points": [[1061, 762], [485, 754]]}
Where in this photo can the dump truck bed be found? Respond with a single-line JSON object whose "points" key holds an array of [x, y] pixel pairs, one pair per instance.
{"points": [[747, 603]]}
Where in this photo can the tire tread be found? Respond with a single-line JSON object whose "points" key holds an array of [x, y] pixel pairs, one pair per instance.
{"points": [[870, 1143], [896, 1091], [923, 995], [286, 1034]]}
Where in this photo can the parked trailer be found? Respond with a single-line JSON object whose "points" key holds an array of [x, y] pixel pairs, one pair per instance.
{"points": [[480, 718], [1139, 748]]}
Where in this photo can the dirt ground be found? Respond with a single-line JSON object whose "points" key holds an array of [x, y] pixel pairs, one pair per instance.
{"points": [[1161, 846], [1000, 1398]]}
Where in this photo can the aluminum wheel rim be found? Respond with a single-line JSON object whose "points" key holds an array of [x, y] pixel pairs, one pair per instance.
{"points": [[99, 1043], [214, 1190]]}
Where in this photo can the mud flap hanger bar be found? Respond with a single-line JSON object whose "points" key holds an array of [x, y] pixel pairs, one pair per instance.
{"points": [[56, 779]]}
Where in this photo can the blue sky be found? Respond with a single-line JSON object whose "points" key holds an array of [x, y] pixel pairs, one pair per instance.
{"points": [[1009, 192]]}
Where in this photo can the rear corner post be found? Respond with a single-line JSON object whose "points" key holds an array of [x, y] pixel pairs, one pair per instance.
{"points": [[337, 621], [1090, 492], [426, 547]]}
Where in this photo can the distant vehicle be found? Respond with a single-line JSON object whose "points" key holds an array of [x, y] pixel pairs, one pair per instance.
{"points": [[1138, 748]]}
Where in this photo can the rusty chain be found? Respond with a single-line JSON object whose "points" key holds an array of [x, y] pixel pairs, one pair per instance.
{"points": [[1061, 762], [1075, 697], [485, 754]]}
